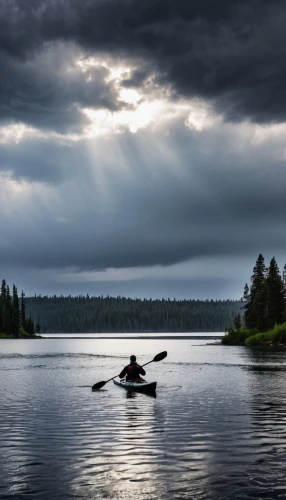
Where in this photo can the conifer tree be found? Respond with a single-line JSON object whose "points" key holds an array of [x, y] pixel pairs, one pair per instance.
{"points": [[275, 299], [246, 303], [38, 326], [23, 310], [245, 293], [284, 275], [7, 323], [237, 322], [11, 316], [15, 312], [3, 290], [6, 310], [255, 313], [28, 325], [8, 295]]}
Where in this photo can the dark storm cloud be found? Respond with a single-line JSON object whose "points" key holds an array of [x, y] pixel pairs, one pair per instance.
{"points": [[229, 52], [138, 206], [48, 89]]}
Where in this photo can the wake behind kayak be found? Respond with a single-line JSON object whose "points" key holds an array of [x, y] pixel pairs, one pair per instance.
{"points": [[137, 386]]}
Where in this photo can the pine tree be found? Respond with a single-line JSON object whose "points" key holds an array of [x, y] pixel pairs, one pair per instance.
{"points": [[6, 309], [28, 325], [255, 311], [237, 322], [246, 293], [7, 323], [23, 310], [275, 299], [246, 303], [15, 312], [284, 275], [11, 317], [8, 296], [38, 326], [3, 290]]}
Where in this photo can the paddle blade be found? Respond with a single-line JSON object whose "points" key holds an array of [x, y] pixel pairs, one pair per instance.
{"points": [[98, 386], [160, 356]]}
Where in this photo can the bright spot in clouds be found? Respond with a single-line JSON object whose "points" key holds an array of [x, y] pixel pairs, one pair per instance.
{"points": [[17, 132], [202, 117], [130, 96], [145, 112], [104, 122]]}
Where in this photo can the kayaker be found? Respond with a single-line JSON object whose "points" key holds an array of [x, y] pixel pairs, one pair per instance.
{"points": [[133, 370]]}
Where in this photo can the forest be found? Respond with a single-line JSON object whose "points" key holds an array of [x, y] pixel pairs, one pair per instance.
{"points": [[85, 314], [264, 308], [14, 322]]}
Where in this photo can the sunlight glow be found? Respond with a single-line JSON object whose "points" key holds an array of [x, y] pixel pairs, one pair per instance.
{"points": [[130, 96], [16, 133], [104, 122], [155, 112], [12, 191], [116, 72], [201, 117]]}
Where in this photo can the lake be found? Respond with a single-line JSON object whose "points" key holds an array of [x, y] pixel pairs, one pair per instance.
{"points": [[216, 430]]}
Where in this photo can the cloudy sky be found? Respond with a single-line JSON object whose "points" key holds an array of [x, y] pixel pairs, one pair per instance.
{"points": [[142, 145]]}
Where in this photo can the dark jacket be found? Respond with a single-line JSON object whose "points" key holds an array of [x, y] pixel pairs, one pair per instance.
{"points": [[132, 371]]}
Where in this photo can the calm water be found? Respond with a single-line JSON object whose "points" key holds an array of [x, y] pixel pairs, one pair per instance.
{"points": [[216, 430]]}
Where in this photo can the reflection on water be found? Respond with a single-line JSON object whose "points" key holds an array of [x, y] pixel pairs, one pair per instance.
{"points": [[215, 430]]}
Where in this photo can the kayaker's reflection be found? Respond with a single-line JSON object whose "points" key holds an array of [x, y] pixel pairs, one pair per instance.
{"points": [[132, 371], [131, 394]]}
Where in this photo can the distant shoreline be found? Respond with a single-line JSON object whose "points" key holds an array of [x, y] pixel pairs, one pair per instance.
{"points": [[141, 337]]}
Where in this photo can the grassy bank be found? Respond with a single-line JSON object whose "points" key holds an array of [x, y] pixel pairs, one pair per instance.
{"points": [[22, 335], [237, 337], [276, 336], [273, 337]]}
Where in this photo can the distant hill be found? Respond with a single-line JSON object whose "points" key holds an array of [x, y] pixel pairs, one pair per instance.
{"points": [[85, 314]]}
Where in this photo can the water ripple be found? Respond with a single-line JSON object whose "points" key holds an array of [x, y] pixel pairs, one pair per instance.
{"points": [[216, 432]]}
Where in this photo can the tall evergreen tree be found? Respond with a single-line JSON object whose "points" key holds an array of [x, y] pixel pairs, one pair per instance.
{"points": [[237, 322], [11, 316], [246, 303], [7, 323], [245, 298], [284, 275], [255, 313], [23, 309], [8, 295], [38, 326], [15, 312], [275, 299], [3, 290], [28, 325]]}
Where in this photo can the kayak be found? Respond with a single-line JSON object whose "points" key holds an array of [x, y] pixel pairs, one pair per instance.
{"points": [[137, 386]]}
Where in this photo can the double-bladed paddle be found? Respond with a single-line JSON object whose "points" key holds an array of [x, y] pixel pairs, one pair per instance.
{"points": [[158, 357]]}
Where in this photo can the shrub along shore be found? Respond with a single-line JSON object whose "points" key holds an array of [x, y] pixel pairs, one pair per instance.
{"points": [[23, 335], [274, 337]]}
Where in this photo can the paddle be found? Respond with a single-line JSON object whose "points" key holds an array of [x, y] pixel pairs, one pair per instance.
{"points": [[158, 357]]}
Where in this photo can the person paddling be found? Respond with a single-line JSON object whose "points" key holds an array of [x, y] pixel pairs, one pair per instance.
{"points": [[133, 370]]}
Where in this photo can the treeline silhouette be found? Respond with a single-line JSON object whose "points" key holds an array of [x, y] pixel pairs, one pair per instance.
{"points": [[85, 314], [13, 319], [264, 306], [265, 300]]}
